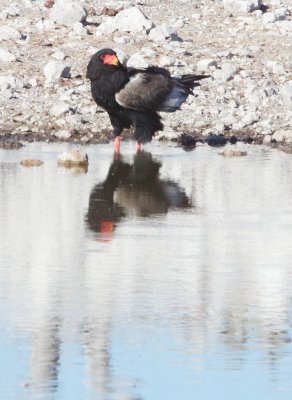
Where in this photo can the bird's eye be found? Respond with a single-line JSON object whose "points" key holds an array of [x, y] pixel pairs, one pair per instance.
{"points": [[102, 57]]}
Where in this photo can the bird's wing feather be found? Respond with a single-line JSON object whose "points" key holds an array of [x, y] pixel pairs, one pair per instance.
{"points": [[145, 91]]}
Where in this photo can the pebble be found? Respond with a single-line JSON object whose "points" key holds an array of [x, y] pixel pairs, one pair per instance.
{"points": [[129, 20], [245, 6], [137, 61], [132, 20], [9, 33], [31, 163], [6, 56], [60, 108], [59, 55], [233, 153], [286, 93], [162, 33], [72, 158], [216, 140], [54, 70], [205, 64], [62, 134], [226, 73], [167, 61], [67, 12], [282, 136], [275, 67]]}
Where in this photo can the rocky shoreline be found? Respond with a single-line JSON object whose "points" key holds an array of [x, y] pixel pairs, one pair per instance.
{"points": [[245, 45]]}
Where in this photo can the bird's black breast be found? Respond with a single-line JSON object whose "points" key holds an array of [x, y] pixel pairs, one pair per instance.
{"points": [[105, 86]]}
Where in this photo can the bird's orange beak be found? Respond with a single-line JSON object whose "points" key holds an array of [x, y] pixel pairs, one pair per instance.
{"points": [[110, 59]]}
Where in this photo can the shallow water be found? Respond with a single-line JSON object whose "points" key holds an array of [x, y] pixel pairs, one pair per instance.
{"points": [[164, 276]]}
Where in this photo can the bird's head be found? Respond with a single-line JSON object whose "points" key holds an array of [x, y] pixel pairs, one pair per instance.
{"points": [[107, 57], [104, 59]]}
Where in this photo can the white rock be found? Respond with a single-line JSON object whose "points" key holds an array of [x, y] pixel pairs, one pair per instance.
{"points": [[274, 16], [284, 26], [106, 27], [282, 136], [6, 56], [275, 67], [148, 52], [72, 158], [275, 3], [162, 32], [9, 33], [33, 82], [79, 29], [13, 11], [44, 25], [281, 14], [9, 81], [286, 93], [59, 109], [233, 153], [121, 40], [67, 13], [205, 64], [137, 61], [258, 14], [54, 70], [267, 139], [248, 119], [130, 20], [6, 93], [59, 55], [62, 134], [245, 6], [268, 18], [166, 61], [226, 72]]}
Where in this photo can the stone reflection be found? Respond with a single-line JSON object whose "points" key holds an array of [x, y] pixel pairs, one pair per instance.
{"points": [[132, 190]]}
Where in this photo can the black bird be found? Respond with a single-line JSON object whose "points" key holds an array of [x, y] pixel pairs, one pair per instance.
{"points": [[133, 97]]}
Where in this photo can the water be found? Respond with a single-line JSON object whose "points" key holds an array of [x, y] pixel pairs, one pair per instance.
{"points": [[166, 276]]}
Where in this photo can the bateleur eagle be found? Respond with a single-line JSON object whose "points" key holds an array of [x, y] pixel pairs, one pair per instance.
{"points": [[133, 97]]}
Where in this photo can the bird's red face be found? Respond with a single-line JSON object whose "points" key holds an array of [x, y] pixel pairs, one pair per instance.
{"points": [[109, 59]]}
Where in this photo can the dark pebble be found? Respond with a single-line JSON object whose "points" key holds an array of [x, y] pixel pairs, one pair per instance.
{"points": [[233, 139], [187, 142], [10, 145], [216, 140]]}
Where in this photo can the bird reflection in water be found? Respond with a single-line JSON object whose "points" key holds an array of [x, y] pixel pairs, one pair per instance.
{"points": [[132, 190]]}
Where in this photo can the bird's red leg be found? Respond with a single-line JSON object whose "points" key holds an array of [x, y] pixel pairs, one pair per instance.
{"points": [[117, 144], [138, 146]]}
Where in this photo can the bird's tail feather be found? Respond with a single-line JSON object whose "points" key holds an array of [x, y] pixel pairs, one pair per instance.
{"points": [[189, 81]]}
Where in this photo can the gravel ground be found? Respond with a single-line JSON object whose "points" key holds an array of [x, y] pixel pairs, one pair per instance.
{"points": [[245, 45]]}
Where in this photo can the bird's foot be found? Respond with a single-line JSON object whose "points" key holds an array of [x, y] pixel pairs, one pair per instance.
{"points": [[117, 144], [138, 146]]}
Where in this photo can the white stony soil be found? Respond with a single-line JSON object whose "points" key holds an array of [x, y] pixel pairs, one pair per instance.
{"points": [[245, 45]]}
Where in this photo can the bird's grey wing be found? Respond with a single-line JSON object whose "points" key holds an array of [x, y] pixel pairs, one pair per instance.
{"points": [[145, 92]]}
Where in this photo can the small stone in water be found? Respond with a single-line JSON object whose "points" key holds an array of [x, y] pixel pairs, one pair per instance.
{"points": [[31, 163], [233, 153], [72, 158]]}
